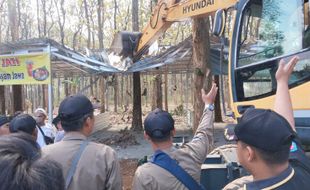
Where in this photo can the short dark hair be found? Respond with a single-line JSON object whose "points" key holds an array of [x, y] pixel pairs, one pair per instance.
{"points": [[76, 125], [274, 158], [163, 139], [22, 166], [270, 157]]}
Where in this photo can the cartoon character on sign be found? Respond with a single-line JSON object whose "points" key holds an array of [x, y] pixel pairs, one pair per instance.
{"points": [[40, 74], [29, 65]]}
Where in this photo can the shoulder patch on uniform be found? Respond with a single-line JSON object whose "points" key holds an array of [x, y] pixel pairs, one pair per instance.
{"points": [[293, 147]]}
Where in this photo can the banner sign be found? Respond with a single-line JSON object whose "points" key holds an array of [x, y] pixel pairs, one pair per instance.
{"points": [[25, 69]]}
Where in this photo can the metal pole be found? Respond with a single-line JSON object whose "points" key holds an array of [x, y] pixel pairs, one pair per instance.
{"points": [[50, 91], [50, 103]]}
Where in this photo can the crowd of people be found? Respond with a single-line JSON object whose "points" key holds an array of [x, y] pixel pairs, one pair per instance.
{"points": [[37, 155]]}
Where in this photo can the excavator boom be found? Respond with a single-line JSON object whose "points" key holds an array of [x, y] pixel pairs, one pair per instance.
{"points": [[165, 13]]}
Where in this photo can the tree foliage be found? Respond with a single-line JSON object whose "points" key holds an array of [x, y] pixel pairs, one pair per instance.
{"points": [[75, 22]]}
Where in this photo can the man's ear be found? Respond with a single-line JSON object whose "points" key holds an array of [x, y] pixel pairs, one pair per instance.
{"points": [[251, 154], [173, 132], [146, 136], [89, 124]]}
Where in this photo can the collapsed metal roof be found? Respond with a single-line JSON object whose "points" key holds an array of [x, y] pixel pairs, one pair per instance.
{"points": [[64, 60], [68, 62], [179, 58]]}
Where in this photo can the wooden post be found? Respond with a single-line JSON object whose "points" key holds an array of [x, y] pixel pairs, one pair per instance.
{"points": [[102, 93], [107, 95], [181, 92]]}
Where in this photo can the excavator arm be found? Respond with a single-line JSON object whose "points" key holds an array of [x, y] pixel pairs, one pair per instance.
{"points": [[165, 13]]}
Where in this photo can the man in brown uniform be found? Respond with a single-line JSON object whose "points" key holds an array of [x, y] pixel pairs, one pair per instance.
{"points": [[268, 146], [90, 165], [159, 130]]}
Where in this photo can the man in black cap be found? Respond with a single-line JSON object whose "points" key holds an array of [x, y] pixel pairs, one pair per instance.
{"points": [[172, 168], [86, 165], [24, 123], [266, 141], [4, 125]]}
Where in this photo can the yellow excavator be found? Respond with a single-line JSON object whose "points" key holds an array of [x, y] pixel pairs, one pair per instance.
{"points": [[262, 33]]}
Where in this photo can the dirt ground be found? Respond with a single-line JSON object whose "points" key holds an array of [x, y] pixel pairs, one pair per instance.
{"points": [[113, 129], [128, 168]]}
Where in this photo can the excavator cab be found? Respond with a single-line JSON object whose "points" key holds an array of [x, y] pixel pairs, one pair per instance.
{"points": [[125, 43]]}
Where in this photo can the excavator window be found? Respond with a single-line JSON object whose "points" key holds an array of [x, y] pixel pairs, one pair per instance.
{"points": [[271, 30]]}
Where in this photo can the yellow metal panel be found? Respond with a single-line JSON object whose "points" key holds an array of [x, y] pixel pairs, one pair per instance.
{"points": [[300, 98], [188, 9], [166, 12]]}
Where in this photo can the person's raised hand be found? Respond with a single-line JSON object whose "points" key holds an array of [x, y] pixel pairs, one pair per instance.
{"points": [[285, 70], [210, 97]]}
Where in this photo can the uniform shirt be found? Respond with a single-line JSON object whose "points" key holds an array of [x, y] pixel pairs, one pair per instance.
{"points": [[59, 136], [296, 176], [190, 157], [48, 130], [98, 167]]}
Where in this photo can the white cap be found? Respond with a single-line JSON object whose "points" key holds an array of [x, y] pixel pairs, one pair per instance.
{"points": [[40, 110]]}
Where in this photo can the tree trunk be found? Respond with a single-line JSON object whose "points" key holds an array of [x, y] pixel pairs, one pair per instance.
{"points": [[2, 100], [61, 19], [137, 110], [115, 93], [122, 91], [107, 95], [66, 87], [38, 18], [174, 89], [100, 23], [44, 18], [58, 91], [17, 100], [201, 59], [87, 24], [159, 89], [102, 94], [166, 89], [217, 110], [153, 97], [157, 92], [91, 81], [14, 28], [181, 92]]}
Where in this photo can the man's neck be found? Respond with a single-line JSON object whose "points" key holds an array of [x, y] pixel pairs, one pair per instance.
{"points": [[263, 171], [162, 145]]}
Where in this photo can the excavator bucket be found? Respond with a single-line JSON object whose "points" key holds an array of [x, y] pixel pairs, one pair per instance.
{"points": [[125, 43]]}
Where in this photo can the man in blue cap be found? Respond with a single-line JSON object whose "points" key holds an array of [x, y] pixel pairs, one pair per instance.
{"points": [[24, 123], [4, 125], [172, 168], [267, 146], [86, 165]]}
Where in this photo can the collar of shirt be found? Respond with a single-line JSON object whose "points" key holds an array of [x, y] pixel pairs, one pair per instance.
{"points": [[74, 135], [167, 151], [273, 182]]}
